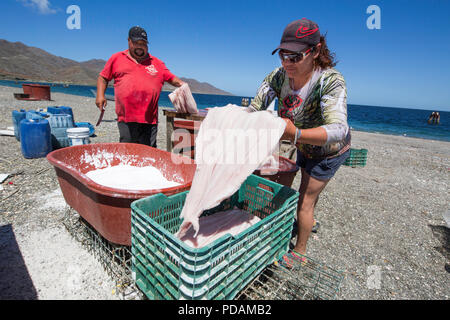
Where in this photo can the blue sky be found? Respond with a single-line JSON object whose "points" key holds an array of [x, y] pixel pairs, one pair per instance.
{"points": [[229, 43]]}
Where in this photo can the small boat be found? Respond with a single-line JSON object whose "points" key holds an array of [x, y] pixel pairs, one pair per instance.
{"points": [[109, 97]]}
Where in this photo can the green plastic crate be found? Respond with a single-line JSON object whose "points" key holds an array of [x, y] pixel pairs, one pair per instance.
{"points": [[357, 158], [166, 268]]}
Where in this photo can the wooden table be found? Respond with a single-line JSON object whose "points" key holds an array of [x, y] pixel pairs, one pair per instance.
{"points": [[171, 114]]}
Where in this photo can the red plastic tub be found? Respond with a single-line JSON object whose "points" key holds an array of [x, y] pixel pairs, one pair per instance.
{"points": [[285, 175], [108, 209]]}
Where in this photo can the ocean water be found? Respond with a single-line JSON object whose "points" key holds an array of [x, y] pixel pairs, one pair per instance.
{"points": [[395, 121]]}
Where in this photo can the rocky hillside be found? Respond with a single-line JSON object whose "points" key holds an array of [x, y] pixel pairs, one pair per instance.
{"points": [[21, 62]]}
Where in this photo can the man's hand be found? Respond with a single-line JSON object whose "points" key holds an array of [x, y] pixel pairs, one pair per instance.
{"points": [[176, 82], [101, 102]]}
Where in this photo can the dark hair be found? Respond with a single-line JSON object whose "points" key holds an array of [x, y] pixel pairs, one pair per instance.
{"points": [[326, 59]]}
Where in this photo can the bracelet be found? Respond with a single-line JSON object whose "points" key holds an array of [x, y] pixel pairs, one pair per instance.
{"points": [[298, 134]]}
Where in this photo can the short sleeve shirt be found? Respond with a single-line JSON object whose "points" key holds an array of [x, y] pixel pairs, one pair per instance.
{"points": [[137, 86]]}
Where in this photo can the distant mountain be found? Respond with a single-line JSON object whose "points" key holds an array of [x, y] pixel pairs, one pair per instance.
{"points": [[198, 87], [21, 62]]}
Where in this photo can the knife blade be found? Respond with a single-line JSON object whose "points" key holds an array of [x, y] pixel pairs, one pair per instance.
{"points": [[101, 117]]}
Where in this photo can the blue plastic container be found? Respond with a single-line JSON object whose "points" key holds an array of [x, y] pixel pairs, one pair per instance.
{"points": [[59, 123], [35, 138], [18, 116], [60, 110], [33, 114], [86, 125]]}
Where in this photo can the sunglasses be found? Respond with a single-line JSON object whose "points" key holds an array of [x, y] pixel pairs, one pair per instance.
{"points": [[293, 57]]}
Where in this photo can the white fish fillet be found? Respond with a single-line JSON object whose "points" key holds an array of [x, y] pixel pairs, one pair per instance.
{"points": [[217, 225], [215, 179], [183, 100]]}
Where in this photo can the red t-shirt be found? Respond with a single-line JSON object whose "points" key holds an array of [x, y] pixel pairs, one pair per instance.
{"points": [[137, 86]]}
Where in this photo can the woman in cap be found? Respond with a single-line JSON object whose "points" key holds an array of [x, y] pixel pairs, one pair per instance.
{"points": [[313, 101]]}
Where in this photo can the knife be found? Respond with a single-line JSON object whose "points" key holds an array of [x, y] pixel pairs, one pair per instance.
{"points": [[101, 117]]}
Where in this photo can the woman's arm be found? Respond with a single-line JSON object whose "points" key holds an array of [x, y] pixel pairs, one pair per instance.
{"points": [[333, 106], [314, 136], [268, 91]]}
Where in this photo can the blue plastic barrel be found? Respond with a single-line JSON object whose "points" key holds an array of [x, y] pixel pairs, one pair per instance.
{"points": [[18, 116], [60, 110], [59, 123], [35, 138]]}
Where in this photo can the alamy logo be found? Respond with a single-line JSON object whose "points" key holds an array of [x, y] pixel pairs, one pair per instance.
{"points": [[151, 70], [373, 21], [74, 20]]}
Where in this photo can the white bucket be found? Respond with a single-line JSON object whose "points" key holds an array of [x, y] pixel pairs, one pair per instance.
{"points": [[78, 136]]}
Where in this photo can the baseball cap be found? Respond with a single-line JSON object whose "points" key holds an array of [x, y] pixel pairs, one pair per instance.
{"points": [[299, 35], [137, 33]]}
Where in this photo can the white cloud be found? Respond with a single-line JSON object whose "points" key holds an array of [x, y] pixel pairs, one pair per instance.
{"points": [[43, 6]]}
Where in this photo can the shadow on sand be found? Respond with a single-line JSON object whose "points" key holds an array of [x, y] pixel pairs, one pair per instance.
{"points": [[15, 281], [442, 233]]}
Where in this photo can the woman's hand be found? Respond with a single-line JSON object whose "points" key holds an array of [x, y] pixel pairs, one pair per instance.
{"points": [[315, 136], [289, 131]]}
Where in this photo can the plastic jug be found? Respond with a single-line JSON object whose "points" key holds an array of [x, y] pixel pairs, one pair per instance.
{"points": [[18, 116], [35, 138]]}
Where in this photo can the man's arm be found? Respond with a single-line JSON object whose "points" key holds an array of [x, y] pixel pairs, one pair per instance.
{"points": [[100, 100], [176, 82]]}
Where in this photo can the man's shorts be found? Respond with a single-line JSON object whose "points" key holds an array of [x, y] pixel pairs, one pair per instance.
{"points": [[143, 133], [321, 169]]}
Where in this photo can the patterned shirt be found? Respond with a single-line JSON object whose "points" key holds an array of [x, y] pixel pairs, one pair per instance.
{"points": [[322, 102]]}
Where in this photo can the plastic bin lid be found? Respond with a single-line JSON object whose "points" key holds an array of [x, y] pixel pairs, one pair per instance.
{"points": [[78, 130]]}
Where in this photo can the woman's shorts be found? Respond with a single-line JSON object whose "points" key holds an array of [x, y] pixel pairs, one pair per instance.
{"points": [[321, 169]]}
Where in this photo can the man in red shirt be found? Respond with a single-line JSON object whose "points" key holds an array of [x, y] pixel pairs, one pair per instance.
{"points": [[138, 80]]}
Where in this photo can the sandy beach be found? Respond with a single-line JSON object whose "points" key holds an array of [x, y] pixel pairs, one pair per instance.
{"points": [[382, 225]]}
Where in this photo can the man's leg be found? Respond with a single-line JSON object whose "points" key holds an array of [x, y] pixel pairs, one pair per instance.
{"points": [[310, 189], [153, 135], [125, 132], [148, 134]]}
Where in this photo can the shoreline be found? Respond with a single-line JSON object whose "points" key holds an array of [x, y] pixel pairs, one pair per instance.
{"points": [[162, 107], [387, 215], [91, 85]]}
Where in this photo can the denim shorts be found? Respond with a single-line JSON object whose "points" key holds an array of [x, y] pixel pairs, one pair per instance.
{"points": [[321, 169]]}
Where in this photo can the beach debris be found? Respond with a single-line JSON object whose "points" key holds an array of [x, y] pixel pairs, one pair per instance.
{"points": [[9, 133], [447, 218], [3, 177], [10, 195]]}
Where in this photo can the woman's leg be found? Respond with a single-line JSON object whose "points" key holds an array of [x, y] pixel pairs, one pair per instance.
{"points": [[310, 189]]}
